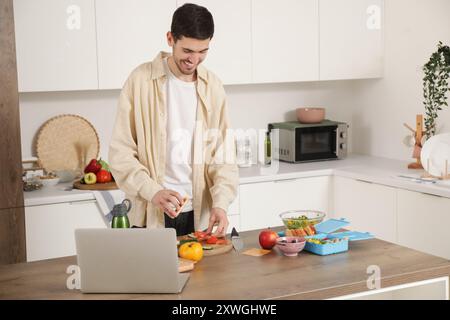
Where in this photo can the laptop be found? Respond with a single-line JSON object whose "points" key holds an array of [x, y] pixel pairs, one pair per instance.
{"points": [[129, 261]]}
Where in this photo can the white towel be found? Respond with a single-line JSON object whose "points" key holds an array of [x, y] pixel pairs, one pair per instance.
{"points": [[107, 199]]}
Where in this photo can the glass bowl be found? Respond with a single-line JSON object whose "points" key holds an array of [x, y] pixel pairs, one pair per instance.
{"points": [[298, 219], [48, 181]]}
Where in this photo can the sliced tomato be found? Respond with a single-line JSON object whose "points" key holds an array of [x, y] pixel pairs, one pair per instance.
{"points": [[212, 240], [201, 235]]}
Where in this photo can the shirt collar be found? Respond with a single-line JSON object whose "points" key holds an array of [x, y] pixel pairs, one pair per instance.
{"points": [[158, 68]]}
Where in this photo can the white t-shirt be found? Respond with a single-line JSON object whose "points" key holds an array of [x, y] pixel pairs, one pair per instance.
{"points": [[181, 101]]}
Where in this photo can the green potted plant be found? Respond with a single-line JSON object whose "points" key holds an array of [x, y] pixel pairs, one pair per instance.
{"points": [[435, 86]]}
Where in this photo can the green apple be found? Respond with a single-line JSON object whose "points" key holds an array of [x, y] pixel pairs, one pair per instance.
{"points": [[90, 178]]}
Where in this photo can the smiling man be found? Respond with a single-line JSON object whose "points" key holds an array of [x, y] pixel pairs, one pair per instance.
{"points": [[167, 110]]}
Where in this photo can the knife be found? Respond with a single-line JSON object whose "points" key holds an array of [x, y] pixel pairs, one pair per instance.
{"points": [[236, 240]]}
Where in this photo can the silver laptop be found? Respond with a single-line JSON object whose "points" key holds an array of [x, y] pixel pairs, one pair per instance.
{"points": [[129, 261]]}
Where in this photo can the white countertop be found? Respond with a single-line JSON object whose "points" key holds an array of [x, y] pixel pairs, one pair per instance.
{"points": [[372, 169], [56, 194], [367, 168]]}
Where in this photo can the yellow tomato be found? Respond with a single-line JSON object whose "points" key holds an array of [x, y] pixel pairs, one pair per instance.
{"points": [[191, 251]]}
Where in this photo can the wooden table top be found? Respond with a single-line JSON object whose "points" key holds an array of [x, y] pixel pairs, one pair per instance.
{"points": [[237, 276]]}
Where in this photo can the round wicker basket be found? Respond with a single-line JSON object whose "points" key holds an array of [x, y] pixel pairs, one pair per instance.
{"points": [[67, 142]]}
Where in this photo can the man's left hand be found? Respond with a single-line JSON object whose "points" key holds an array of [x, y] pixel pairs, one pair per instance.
{"points": [[218, 217]]}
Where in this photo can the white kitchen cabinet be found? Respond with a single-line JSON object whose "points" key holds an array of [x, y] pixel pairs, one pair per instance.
{"points": [[233, 214], [351, 39], [234, 209], [129, 33], [55, 45], [50, 228], [261, 203], [285, 39], [230, 53], [423, 222], [367, 206]]}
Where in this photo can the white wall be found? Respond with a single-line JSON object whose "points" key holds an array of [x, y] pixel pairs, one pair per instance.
{"points": [[254, 106], [413, 29], [250, 106], [375, 109], [98, 107]]}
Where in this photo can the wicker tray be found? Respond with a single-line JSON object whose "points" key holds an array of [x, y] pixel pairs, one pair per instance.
{"points": [[67, 142]]}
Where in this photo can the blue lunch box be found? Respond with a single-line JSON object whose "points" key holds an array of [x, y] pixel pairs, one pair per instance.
{"points": [[325, 230]]}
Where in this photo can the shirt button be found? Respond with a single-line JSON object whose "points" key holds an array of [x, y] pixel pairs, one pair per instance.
{"points": [[162, 114]]}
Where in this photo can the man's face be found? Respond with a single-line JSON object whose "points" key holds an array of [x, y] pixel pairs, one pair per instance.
{"points": [[188, 53]]}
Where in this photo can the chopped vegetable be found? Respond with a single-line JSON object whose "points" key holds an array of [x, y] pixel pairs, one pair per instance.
{"points": [[326, 240], [212, 240], [201, 235], [297, 223]]}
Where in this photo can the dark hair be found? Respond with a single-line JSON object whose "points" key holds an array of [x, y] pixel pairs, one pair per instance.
{"points": [[192, 21]]}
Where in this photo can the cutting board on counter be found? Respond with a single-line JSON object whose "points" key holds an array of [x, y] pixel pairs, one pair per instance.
{"points": [[96, 186], [216, 248]]}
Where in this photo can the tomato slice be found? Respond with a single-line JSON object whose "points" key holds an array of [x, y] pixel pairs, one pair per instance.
{"points": [[212, 240], [201, 235]]}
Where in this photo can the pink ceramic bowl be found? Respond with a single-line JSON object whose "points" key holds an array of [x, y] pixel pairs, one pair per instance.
{"points": [[290, 246], [310, 115]]}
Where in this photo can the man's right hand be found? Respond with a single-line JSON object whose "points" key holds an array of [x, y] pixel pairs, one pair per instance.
{"points": [[168, 201]]}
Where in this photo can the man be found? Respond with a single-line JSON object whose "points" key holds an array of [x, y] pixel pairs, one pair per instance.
{"points": [[160, 150]]}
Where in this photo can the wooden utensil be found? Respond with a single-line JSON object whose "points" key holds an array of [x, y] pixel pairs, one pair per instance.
{"points": [[418, 135]]}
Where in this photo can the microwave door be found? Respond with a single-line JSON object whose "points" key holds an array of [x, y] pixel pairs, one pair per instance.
{"points": [[315, 143]]}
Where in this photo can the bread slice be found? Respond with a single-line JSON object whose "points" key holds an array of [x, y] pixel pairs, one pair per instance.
{"points": [[185, 201]]}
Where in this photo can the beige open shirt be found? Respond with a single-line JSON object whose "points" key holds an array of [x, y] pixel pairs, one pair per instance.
{"points": [[137, 152]]}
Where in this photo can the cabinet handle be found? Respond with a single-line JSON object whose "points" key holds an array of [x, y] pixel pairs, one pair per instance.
{"points": [[286, 180], [364, 181], [432, 195], [76, 203]]}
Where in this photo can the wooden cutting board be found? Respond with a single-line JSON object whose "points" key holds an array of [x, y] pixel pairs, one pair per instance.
{"points": [[96, 186], [216, 248]]}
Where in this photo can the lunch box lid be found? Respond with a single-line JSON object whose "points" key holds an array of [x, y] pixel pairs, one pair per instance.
{"points": [[352, 235], [331, 225]]}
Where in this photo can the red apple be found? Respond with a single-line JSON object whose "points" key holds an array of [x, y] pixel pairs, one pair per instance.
{"points": [[94, 166], [268, 239]]}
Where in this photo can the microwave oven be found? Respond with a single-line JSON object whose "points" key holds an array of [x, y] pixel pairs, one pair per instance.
{"points": [[299, 142]]}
